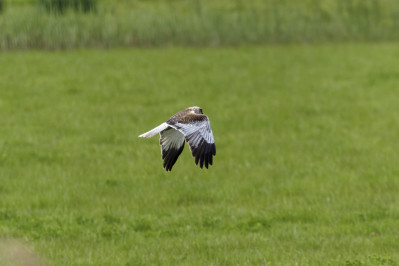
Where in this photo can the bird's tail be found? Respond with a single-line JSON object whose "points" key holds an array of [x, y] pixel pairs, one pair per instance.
{"points": [[154, 131]]}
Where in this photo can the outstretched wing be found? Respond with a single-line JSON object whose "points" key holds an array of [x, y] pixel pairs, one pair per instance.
{"points": [[172, 144], [198, 134], [154, 131]]}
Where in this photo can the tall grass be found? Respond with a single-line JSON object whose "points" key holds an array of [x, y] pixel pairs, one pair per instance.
{"points": [[202, 23], [1, 6], [61, 6]]}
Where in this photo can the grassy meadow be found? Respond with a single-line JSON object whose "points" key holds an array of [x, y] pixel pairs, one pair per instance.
{"points": [[306, 170], [24, 24]]}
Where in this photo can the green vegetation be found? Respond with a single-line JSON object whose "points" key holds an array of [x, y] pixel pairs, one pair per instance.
{"points": [[62, 6], [306, 170], [199, 23]]}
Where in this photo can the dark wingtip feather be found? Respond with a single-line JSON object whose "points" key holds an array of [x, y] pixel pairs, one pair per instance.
{"points": [[169, 163], [210, 156], [166, 166], [202, 157], [171, 157], [203, 152], [195, 152], [206, 155]]}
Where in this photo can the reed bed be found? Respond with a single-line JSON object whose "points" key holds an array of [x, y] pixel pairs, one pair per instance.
{"points": [[200, 23]]}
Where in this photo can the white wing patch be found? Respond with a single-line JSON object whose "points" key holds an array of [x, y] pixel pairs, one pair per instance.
{"points": [[171, 139], [154, 131], [198, 130]]}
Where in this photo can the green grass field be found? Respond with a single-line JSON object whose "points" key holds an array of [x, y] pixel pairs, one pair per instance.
{"points": [[306, 170], [24, 24]]}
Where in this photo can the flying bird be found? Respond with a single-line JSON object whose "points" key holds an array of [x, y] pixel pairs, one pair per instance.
{"points": [[189, 125]]}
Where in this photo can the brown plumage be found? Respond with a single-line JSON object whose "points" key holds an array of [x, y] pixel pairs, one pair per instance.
{"points": [[189, 125]]}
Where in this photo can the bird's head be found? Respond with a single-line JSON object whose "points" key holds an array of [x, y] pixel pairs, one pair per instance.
{"points": [[196, 110]]}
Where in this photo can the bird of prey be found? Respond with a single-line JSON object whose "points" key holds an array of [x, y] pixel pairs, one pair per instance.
{"points": [[189, 125]]}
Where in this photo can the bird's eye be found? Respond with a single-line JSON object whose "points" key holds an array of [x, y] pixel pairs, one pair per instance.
{"points": [[201, 111]]}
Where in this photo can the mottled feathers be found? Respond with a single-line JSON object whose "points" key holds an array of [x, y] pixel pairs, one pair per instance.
{"points": [[189, 125]]}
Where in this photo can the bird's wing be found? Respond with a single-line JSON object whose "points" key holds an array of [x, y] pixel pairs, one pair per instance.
{"points": [[172, 144], [198, 133], [154, 131]]}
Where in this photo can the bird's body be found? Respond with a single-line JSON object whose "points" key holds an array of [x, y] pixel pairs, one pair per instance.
{"points": [[189, 125]]}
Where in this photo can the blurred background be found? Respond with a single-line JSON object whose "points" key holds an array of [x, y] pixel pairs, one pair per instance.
{"points": [[60, 24], [303, 102]]}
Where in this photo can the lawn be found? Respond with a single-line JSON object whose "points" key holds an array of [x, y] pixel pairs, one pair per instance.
{"points": [[306, 170]]}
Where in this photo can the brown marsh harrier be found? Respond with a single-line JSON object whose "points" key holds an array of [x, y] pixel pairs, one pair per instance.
{"points": [[189, 125]]}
